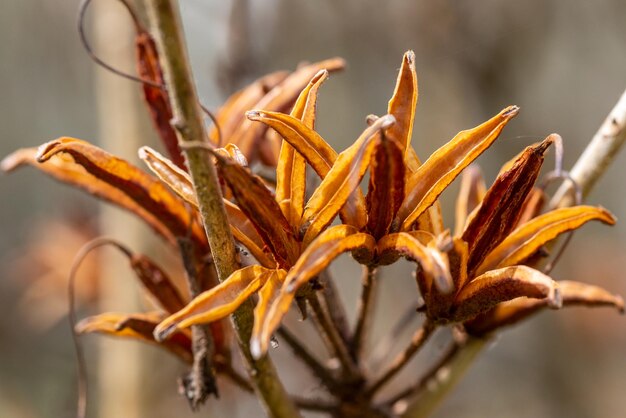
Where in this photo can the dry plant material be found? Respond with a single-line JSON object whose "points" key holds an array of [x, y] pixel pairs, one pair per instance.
{"points": [[482, 277], [146, 191], [401, 190], [156, 98]]}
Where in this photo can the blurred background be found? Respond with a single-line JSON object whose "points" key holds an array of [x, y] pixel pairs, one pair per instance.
{"points": [[562, 61]]}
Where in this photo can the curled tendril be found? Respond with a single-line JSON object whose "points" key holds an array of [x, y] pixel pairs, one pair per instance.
{"points": [[81, 404], [555, 175], [214, 120], [82, 10], [83, 38]]}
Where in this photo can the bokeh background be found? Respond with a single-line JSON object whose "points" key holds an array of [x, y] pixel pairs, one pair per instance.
{"points": [[562, 61]]}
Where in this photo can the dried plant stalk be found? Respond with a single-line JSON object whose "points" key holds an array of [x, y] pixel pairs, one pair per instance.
{"points": [[598, 155], [166, 28]]}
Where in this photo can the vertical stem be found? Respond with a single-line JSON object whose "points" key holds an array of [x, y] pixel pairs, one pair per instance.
{"points": [[188, 121], [365, 311], [167, 31]]}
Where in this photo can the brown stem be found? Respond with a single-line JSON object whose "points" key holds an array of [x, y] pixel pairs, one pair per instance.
{"points": [[416, 388], [318, 369], [314, 404], [200, 382], [336, 345], [385, 345], [166, 28], [418, 339], [333, 303], [457, 365], [225, 368], [365, 311]]}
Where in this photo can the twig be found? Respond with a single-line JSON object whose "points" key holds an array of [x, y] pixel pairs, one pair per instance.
{"points": [[432, 373], [418, 339], [598, 155], [167, 31], [456, 368], [314, 404], [82, 10], [81, 404], [225, 367], [386, 343], [365, 311], [81, 408], [334, 304], [331, 337], [318, 369]]}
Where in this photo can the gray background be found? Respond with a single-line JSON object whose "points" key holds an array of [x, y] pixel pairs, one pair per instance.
{"points": [[563, 62]]}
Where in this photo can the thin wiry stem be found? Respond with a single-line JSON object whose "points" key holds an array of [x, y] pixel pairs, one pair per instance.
{"points": [[81, 405], [225, 368], [167, 31], [416, 388], [365, 311], [381, 350], [82, 10], [418, 339], [333, 303], [299, 350], [456, 367], [331, 337]]}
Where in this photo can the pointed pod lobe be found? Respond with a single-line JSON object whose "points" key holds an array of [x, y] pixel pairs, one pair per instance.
{"points": [[572, 294], [157, 283], [496, 286], [216, 303], [340, 183], [145, 190], [268, 294], [137, 327], [279, 99], [157, 99], [291, 168], [402, 104], [433, 262], [260, 206], [386, 186], [444, 165], [502, 204], [62, 168], [330, 244], [528, 238]]}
